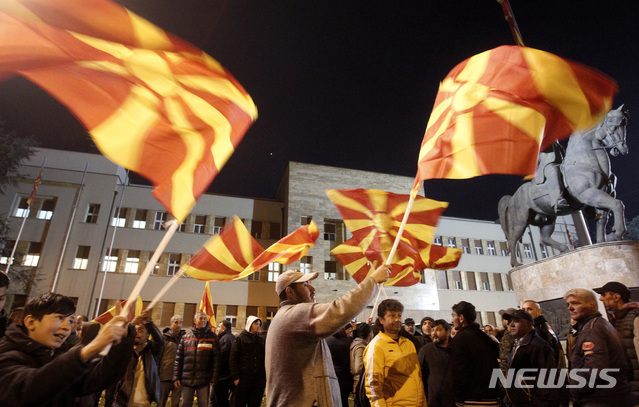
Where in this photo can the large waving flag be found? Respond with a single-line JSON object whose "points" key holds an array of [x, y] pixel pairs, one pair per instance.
{"points": [[110, 313], [206, 305], [224, 256], [374, 218], [495, 111], [151, 102]]}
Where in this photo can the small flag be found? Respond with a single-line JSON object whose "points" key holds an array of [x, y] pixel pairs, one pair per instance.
{"points": [[110, 313], [36, 183], [206, 305]]}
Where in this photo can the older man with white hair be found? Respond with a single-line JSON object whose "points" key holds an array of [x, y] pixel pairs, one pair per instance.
{"points": [[598, 346]]}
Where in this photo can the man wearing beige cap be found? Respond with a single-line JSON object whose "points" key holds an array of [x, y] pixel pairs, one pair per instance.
{"points": [[299, 369]]}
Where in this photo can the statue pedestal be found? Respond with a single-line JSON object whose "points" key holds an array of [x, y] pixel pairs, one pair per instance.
{"points": [[547, 280]]}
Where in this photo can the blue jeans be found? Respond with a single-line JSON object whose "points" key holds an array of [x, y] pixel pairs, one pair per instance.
{"points": [[201, 392]]}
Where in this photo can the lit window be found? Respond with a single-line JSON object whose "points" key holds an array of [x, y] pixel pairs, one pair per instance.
{"points": [[330, 232], [438, 240], [198, 225], [528, 251], [491, 248], [119, 220], [46, 209], [32, 257], [174, 264], [451, 242], [110, 262], [274, 270], [306, 264], [139, 222], [81, 258], [92, 213], [132, 262], [330, 270], [22, 210], [270, 313], [158, 222], [6, 251]]}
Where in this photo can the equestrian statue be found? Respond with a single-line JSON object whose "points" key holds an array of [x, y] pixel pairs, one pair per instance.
{"points": [[564, 185]]}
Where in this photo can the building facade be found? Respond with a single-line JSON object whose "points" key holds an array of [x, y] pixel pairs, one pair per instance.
{"points": [[89, 234]]}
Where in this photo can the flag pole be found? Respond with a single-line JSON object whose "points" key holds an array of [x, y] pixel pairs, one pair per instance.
{"points": [[166, 288], [512, 23]]}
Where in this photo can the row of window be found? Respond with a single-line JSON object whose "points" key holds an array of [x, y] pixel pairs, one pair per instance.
{"points": [[474, 280]]}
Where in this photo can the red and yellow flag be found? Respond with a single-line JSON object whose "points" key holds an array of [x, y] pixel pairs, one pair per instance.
{"points": [[224, 256], [374, 218], [110, 313], [288, 249], [36, 183], [495, 111], [206, 305], [151, 102]]}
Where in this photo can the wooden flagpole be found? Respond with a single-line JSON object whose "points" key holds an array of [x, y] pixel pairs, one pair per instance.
{"points": [[510, 17]]}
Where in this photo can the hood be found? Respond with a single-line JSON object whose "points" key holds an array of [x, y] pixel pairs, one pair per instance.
{"points": [[249, 322]]}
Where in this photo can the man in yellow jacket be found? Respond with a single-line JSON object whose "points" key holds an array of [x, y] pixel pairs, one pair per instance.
{"points": [[393, 376]]}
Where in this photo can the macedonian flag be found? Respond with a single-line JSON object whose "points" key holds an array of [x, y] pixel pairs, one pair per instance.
{"points": [[151, 102], [224, 256], [206, 305], [495, 111], [110, 313], [374, 218]]}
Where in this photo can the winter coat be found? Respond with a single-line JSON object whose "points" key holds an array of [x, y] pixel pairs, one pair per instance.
{"points": [[150, 357], [4, 322], [626, 322], [167, 361], [532, 352], [474, 356], [357, 359], [393, 376], [435, 362], [226, 340], [546, 333], [299, 370], [340, 347], [34, 374], [197, 360], [599, 346], [247, 355]]}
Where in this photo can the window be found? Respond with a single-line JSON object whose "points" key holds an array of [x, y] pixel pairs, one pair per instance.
{"points": [[168, 310], [442, 280], [306, 264], [32, 257], [458, 285], [22, 210], [451, 242], [231, 315], [270, 313], [46, 209], [218, 225], [139, 222], [81, 260], [274, 270], [251, 310], [92, 213], [182, 227], [504, 248], [485, 285], [457, 280], [306, 220], [255, 276], [438, 240], [472, 283], [330, 232], [6, 251], [132, 262], [499, 286], [174, 264], [479, 250], [544, 251], [199, 223], [110, 263], [527, 251], [256, 229], [330, 270], [119, 220], [158, 222], [490, 246], [275, 230], [465, 246], [189, 313], [510, 282]]}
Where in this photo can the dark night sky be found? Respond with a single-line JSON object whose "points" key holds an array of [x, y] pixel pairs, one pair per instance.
{"points": [[352, 83]]}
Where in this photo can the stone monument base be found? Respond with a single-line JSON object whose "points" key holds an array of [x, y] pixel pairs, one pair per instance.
{"points": [[547, 280]]}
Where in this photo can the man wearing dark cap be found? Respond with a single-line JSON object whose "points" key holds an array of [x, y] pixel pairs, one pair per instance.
{"points": [[409, 325], [624, 316], [506, 341], [530, 351], [299, 370]]}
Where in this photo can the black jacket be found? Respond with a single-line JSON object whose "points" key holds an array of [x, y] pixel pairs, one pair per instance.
{"points": [[32, 374], [547, 334], [197, 361], [435, 362], [474, 356], [226, 340], [150, 355], [247, 356], [4, 323]]}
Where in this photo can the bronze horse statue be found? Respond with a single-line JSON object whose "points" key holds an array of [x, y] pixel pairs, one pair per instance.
{"points": [[563, 186]]}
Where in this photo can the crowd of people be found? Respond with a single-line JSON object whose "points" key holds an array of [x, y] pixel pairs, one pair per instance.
{"points": [[316, 354]]}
